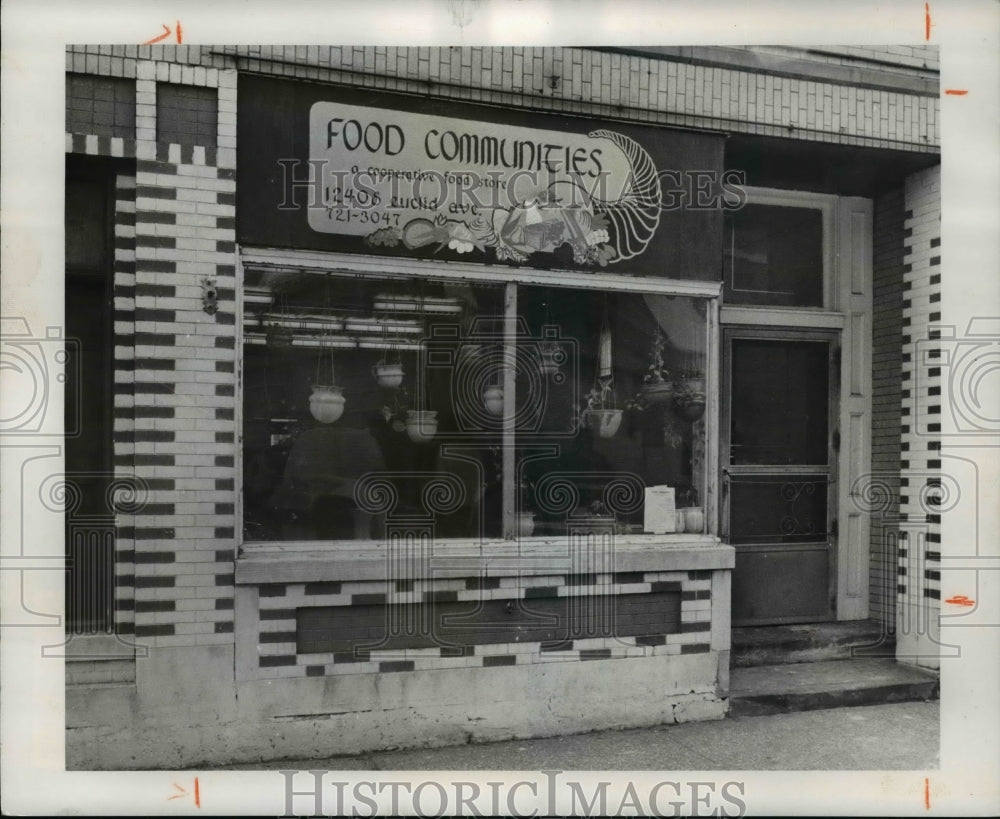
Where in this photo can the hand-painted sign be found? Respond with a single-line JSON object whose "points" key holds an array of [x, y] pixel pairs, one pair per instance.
{"points": [[416, 180], [358, 170]]}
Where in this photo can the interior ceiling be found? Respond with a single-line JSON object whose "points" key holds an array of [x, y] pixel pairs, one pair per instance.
{"points": [[772, 162]]}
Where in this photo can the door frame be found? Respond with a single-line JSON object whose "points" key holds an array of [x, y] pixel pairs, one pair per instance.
{"points": [[818, 335], [848, 273]]}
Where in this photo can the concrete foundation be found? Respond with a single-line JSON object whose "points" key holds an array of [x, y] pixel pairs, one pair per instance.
{"points": [[112, 727]]}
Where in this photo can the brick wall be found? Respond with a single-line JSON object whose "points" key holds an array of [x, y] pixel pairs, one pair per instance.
{"points": [[887, 319], [643, 625], [909, 59], [920, 458], [175, 421], [590, 82], [124, 397], [175, 379]]}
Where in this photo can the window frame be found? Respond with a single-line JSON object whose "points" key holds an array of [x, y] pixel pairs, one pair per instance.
{"points": [[360, 266], [769, 314]]}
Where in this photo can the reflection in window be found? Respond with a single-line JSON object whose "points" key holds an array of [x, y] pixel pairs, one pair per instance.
{"points": [[552, 416]]}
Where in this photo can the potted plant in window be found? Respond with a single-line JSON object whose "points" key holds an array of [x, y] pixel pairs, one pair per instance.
{"points": [[657, 386]]}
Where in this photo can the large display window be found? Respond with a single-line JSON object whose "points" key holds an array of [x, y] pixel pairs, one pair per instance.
{"points": [[502, 409]]}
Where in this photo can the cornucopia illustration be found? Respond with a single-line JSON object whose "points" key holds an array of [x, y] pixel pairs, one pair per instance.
{"points": [[600, 232]]}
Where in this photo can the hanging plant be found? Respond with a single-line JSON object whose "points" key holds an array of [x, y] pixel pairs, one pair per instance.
{"points": [[600, 414], [388, 374], [657, 385], [421, 425], [689, 401], [388, 370], [326, 404]]}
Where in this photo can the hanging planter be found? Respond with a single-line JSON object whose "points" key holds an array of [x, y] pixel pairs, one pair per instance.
{"points": [[657, 387], [690, 408], [600, 414], [656, 393], [388, 370], [493, 399], [326, 404], [421, 425], [689, 402], [603, 422], [388, 374], [694, 384]]}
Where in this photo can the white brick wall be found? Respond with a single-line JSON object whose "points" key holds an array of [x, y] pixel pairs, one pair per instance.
{"points": [[589, 82], [921, 404]]}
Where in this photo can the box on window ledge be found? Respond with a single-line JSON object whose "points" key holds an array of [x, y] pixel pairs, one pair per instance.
{"points": [[660, 517]]}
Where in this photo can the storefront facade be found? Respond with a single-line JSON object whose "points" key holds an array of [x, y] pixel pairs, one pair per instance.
{"points": [[462, 394]]}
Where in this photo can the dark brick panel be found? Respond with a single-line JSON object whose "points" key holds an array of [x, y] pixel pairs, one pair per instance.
{"points": [[555, 620]]}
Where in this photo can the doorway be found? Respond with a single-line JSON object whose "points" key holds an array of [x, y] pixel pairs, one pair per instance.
{"points": [[778, 450]]}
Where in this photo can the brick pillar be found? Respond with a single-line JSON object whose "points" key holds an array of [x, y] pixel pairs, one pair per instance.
{"points": [[918, 600], [185, 387]]}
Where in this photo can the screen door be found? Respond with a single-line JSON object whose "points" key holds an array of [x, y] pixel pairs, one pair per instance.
{"points": [[778, 473]]}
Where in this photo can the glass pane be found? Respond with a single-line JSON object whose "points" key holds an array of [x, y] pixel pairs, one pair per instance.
{"points": [[611, 397], [344, 378], [780, 398], [774, 256], [777, 508]]}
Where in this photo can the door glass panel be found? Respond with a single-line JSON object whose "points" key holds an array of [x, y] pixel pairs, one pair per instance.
{"points": [[780, 398], [777, 508], [774, 256]]}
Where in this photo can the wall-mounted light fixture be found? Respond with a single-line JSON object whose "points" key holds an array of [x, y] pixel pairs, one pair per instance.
{"points": [[209, 295]]}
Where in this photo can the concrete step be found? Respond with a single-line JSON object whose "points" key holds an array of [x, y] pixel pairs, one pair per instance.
{"points": [[769, 645], [786, 687]]}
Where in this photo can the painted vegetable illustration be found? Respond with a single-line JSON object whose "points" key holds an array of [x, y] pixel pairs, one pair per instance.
{"points": [[600, 232]]}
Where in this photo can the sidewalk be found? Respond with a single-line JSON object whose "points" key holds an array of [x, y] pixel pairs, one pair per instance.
{"points": [[898, 736]]}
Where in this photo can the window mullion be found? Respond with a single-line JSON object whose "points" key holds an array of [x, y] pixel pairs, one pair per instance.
{"points": [[509, 403]]}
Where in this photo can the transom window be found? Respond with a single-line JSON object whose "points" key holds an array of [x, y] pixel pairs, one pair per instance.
{"points": [[774, 255]]}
